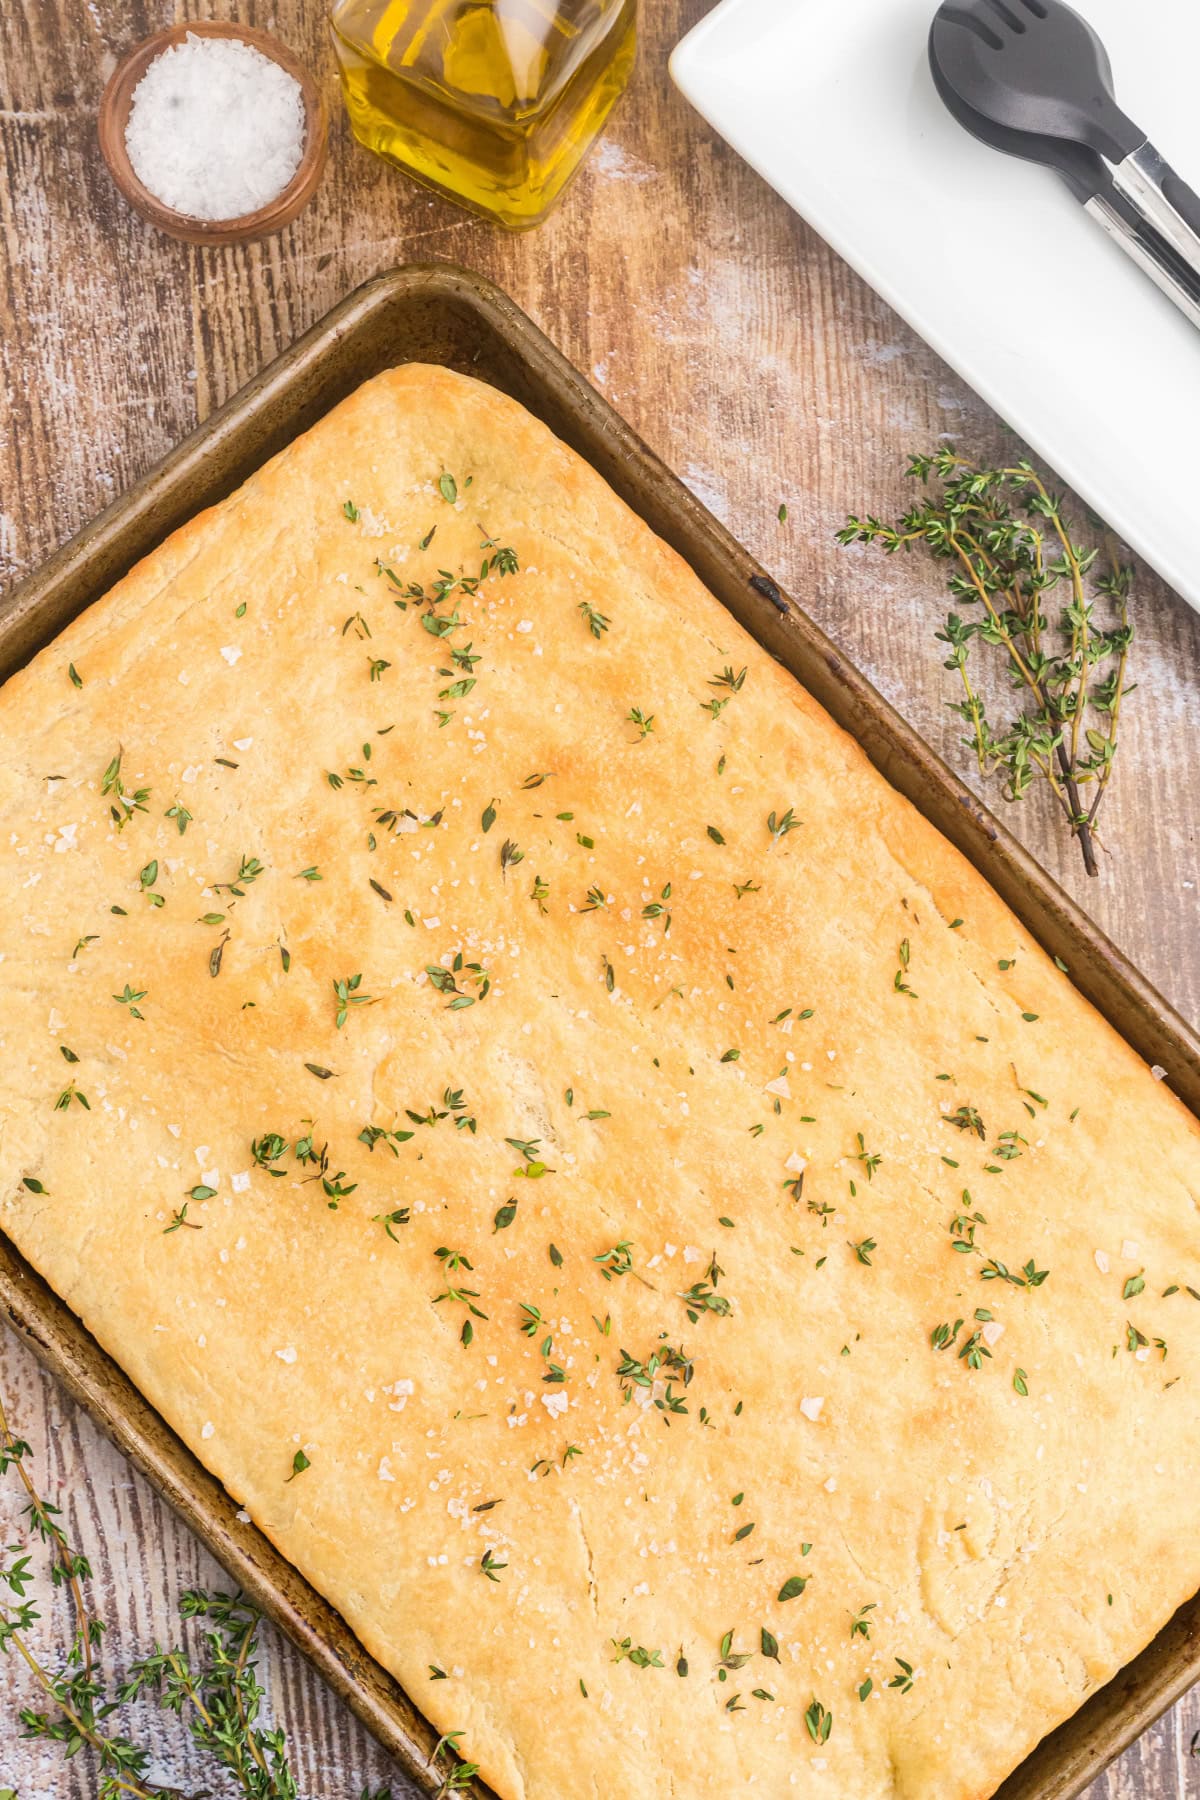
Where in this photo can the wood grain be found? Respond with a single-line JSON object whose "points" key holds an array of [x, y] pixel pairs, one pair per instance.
{"points": [[744, 351]]}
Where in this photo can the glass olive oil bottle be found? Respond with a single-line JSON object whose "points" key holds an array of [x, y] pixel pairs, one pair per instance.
{"points": [[493, 102]]}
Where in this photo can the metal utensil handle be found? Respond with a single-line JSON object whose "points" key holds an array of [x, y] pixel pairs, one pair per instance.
{"points": [[1163, 199], [1148, 259]]}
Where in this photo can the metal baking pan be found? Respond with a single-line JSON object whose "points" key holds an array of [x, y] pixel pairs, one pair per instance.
{"points": [[445, 315]]}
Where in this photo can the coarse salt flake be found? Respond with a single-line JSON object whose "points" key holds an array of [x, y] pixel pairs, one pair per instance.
{"points": [[216, 129], [811, 1407]]}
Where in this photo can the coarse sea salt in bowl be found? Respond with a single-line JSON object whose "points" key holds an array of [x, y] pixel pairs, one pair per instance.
{"points": [[215, 133]]}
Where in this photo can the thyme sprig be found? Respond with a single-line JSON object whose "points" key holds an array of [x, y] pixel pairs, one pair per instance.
{"points": [[216, 1691], [1011, 545]]}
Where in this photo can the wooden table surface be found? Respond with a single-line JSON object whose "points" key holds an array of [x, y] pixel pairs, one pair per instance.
{"points": [[748, 356]]}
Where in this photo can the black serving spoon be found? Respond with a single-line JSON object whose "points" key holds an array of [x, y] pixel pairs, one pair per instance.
{"points": [[1087, 175], [1036, 67]]}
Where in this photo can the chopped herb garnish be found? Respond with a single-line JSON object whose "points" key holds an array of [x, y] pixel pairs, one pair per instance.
{"points": [[904, 1679], [617, 1261], [346, 992], [819, 1722], [124, 805], [597, 622]]}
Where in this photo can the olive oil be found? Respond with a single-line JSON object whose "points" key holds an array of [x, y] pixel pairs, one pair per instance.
{"points": [[493, 102]]}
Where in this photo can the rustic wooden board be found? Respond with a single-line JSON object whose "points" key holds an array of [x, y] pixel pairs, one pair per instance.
{"points": [[748, 356]]}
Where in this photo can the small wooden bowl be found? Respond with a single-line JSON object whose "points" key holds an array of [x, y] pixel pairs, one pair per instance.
{"points": [[114, 118]]}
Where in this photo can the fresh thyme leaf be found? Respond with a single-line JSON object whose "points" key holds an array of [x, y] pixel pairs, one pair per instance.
{"points": [[300, 1462], [819, 1722], [249, 870], [793, 1587], [637, 1654], [904, 1679], [346, 993], [124, 805], [179, 1219], [401, 1216], [597, 622]]}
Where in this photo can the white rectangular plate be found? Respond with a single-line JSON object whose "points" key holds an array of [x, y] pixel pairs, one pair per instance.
{"points": [[832, 102]]}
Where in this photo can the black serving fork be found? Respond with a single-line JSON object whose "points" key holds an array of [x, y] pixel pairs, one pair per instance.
{"points": [[1034, 67], [1088, 177]]}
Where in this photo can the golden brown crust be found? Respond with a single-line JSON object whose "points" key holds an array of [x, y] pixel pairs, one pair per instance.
{"points": [[1014, 1549]]}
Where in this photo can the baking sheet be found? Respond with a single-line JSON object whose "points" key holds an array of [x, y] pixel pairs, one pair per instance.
{"points": [[446, 315]]}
